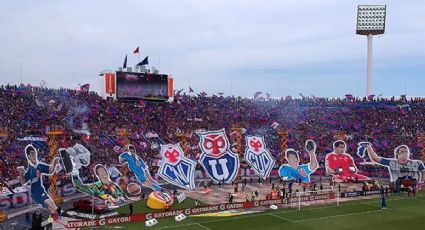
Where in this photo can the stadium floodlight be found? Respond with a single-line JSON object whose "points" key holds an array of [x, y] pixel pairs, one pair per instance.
{"points": [[370, 21]]}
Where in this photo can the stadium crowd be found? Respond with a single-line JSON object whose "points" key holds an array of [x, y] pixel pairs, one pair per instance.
{"points": [[27, 111]]}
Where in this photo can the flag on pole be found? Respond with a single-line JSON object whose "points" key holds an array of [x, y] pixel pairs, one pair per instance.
{"points": [[349, 96], [177, 92], [190, 90], [43, 84], [144, 62], [275, 125], [136, 51], [257, 94], [125, 62], [85, 87]]}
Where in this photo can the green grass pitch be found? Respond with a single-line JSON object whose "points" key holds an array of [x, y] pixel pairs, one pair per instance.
{"points": [[403, 213]]}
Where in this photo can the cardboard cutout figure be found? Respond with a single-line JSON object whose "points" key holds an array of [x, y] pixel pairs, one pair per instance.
{"points": [[258, 156], [105, 189], [139, 168], [175, 168], [341, 165], [401, 166], [220, 163], [33, 175], [295, 171]]}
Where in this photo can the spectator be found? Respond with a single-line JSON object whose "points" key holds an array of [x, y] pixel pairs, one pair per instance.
{"points": [[49, 225], [130, 207], [59, 211]]}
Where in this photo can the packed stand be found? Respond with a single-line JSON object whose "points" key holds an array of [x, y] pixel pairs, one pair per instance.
{"points": [[30, 111]]}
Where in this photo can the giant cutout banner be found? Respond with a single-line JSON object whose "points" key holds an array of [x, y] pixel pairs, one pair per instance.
{"points": [[73, 159], [341, 165], [296, 171], [175, 168], [139, 168], [399, 167], [33, 176], [220, 163], [258, 156]]}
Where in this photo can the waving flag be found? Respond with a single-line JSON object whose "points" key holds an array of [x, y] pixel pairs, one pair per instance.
{"points": [[144, 62], [177, 92], [256, 94], [85, 87], [267, 95], [349, 96], [136, 51], [118, 149], [125, 62]]}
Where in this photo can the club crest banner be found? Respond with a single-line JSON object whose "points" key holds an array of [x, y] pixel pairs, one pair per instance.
{"points": [[258, 156], [220, 163], [175, 168]]}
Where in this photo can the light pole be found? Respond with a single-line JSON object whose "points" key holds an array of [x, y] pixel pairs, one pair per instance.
{"points": [[370, 21], [92, 205]]}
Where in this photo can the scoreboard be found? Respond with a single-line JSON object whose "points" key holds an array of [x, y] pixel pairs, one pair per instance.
{"points": [[146, 86]]}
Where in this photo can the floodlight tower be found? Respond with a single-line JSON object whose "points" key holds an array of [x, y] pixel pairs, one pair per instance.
{"points": [[370, 21]]}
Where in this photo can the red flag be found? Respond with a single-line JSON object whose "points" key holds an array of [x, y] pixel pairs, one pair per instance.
{"points": [[85, 88], [370, 97], [349, 96], [136, 51]]}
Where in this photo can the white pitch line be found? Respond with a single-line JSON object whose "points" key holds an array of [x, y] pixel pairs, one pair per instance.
{"points": [[342, 205], [342, 215], [204, 227], [282, 218], [419, 198]]}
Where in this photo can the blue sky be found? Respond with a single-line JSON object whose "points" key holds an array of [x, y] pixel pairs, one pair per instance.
{"points": [[235, 47]]}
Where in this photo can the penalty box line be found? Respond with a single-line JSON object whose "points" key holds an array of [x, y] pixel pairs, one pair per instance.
{"points": [[334, 216]]}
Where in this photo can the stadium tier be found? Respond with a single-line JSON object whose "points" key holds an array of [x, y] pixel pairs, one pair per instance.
{"points": [[93, 158]]}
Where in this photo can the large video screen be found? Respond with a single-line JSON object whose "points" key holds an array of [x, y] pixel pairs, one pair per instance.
{"points": [[134, 86]]}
